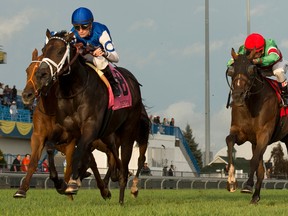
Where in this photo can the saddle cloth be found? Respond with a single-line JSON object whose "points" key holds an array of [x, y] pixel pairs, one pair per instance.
{"points": [[125, 99], [275, 86]]}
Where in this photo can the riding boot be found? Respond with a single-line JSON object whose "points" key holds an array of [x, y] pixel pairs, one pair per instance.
{"points": [[113, 82], [284, 94]]}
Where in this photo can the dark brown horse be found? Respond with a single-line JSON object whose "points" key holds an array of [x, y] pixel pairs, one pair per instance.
{"points": [[43, 122], [255, 118], [82, 107], [44, 119]]}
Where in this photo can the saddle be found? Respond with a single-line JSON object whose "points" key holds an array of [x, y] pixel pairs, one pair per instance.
{"points": [[125, 99]]}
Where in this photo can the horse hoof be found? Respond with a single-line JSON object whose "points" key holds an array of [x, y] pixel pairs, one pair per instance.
{"points": [[72, 188], [255, 200], [232, 186], [61, 187], [247, 189], [20, 194], [134, 194], [106, 194]]}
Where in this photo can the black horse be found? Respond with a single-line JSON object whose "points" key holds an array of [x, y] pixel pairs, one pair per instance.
{"points": [[43, 123], [255, 118], [82, 107]]}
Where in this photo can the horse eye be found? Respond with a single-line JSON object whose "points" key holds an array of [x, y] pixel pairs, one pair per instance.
{"points": [[251, 69], [61, 51], [230, 71]]}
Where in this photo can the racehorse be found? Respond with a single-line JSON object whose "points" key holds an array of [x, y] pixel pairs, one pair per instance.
{"points": [[255, 118], [44, 119], [82, 106], [43, 123]]}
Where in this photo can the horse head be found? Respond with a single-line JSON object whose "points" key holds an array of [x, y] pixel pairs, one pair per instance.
{"points": [[243, 73], [56, 58], [30, 92]]}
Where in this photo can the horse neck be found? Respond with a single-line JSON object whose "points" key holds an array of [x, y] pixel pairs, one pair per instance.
{"points": [[259, 93], [76, 78], [48, 102]]}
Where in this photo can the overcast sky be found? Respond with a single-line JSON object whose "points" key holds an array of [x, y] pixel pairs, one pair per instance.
{"points": [[161, 42]]}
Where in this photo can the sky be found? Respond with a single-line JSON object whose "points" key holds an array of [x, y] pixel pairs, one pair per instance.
{"points": [[161, 42]]}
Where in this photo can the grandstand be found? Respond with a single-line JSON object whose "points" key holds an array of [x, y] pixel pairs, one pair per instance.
{"points": [[167, 145]]}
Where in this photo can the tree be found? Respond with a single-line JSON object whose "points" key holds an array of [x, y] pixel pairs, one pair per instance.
{"points": [[193, 145], [280, 167]]}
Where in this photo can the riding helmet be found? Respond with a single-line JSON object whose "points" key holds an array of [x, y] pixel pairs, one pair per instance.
{"points": [[82, 16], [256, 41]]}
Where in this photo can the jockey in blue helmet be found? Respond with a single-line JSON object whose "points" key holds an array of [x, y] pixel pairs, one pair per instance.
{"points": [[98, 35]]}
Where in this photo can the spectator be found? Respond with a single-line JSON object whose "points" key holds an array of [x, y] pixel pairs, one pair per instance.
{"points": [[45, 166], [172, 122], [14, 93], [165, 122], [156, 120], [16, 165], [170, 171], [13, 111], [1, 92], [25, 163], [145, 171], [165, 171], [6, 95]]}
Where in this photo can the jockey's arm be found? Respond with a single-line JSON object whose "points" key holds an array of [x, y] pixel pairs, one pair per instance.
{"points": [[270, 59], [108, 46]]}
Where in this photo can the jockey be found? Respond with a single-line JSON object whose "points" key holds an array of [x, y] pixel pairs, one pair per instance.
{"points": [[267, 56], [98, 35]]}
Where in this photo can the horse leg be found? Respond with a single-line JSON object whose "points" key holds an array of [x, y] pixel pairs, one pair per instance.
{"points": [[126, 152], [68, 149], [231, 182], [260, 176], [105, 193], [248, 187], [37, 145], [59, 184], [79, 159], [141, 161]]}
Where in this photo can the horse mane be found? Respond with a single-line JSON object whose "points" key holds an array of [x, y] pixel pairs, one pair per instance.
{"points": [[62, 33]]}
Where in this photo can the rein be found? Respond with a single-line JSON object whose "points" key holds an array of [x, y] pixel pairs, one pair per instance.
{"points": [[248, 91], [60, 67], [32, 75]]}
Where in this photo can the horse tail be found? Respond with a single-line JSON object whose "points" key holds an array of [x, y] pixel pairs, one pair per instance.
{"points": [[128, 74], [144, 128]]}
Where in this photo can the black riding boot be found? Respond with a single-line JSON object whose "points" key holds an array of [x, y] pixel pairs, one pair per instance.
{"points": [[284, 94], [112, 81]]}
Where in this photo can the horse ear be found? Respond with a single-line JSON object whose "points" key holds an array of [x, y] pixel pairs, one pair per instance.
{"points": [[69, 37], [251, 55], [48, 33], [234, 54], [34, 54]]}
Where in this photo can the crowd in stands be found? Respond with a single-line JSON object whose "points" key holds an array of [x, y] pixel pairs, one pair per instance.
{"points": [[11, 106], [21, 165], [165, 121], [162, 127]]}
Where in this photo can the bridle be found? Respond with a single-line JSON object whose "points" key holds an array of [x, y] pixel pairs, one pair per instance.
{"points": [[32, 75], [60, 69]]}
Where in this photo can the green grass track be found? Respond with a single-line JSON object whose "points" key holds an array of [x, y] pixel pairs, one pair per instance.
{"points": [[149, 202]]}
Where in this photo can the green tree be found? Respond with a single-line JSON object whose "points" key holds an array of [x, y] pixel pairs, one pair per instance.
{"points": [[280, 167], [193, 145]]}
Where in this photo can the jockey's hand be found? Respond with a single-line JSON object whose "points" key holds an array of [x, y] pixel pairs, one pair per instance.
{"points": [[99, 52], [257, 61]]}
